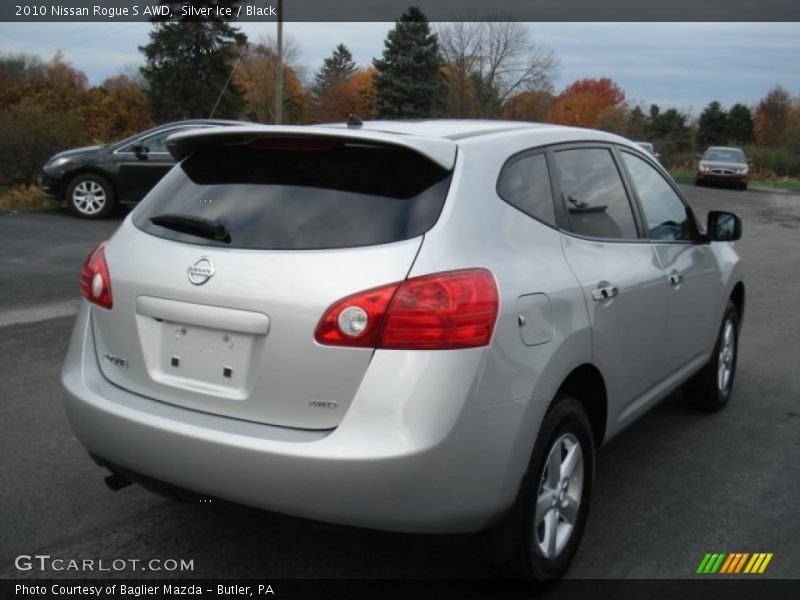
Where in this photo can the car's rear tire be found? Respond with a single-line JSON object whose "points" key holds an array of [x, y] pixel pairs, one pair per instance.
{"points": [[698, 182], [553, 503], [91, 196], [743, 186], [710, 389]]}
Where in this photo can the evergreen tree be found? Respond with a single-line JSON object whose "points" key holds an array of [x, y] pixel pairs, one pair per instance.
{"points": [[409, 81], [637, 124], [740, 125], [336, 69], [187, 66], [712, 126], [668, 130]]}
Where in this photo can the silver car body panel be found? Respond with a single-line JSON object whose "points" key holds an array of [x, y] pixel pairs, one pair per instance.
{"points": [[433, 441]]}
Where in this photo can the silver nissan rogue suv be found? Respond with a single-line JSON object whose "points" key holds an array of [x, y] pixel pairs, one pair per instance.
{"points": [[422, 326]]}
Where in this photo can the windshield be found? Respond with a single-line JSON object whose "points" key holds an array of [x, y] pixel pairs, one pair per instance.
{"points": [[730, 155]]}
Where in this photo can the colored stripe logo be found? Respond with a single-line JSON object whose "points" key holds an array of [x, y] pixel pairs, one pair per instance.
{"points": [[734, 563]]}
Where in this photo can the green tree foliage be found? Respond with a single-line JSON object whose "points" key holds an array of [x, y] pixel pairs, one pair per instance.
{"points": [[187, 66], [637, 124], [740, 125], [670, 134], [338, 68], [712, 126], [409, 81]]}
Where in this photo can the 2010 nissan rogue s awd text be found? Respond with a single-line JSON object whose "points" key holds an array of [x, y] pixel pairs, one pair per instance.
{"points": [[423, 326]]}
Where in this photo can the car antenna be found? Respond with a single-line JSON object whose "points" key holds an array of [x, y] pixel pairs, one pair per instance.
{"points": [[354, 121]]}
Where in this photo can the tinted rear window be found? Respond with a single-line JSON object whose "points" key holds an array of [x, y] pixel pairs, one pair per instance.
{"points": [[301, 195]]}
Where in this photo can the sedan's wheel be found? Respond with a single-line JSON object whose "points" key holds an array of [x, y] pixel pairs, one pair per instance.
{"points": [[710, 389], [557, 491], [90, 196]]}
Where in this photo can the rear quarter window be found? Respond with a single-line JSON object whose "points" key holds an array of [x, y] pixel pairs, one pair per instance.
{"points": [[524, 183], [301, 195]]}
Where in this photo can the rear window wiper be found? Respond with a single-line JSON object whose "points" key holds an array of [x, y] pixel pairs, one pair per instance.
{"points": [[197, 226]]}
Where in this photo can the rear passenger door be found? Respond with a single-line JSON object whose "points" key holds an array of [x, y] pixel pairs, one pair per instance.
{"points": [[623, 283], [689, 264]]}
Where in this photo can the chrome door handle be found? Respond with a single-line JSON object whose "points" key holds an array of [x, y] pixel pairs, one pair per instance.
{"points": [[675, 279], [605, 293]]}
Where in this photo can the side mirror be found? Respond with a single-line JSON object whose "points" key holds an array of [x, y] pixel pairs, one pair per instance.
{"points": [[723, 226], [141, 151], [698, 156]]}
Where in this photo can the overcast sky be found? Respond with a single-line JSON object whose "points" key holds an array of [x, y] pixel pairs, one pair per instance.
{"points": [[685, 65]]}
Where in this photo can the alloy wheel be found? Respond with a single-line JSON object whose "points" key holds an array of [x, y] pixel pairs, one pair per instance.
{"points": [[89, 197], [558, 500], [725, 361]]}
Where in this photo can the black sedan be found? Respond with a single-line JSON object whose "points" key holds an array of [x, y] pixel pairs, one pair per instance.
{"points": [[94, 179]]}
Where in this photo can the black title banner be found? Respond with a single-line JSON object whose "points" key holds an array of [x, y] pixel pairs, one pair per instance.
{"points": [[390, 10]]}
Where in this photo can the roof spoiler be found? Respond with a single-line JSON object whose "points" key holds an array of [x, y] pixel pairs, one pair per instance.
{"points": [[181, 145]]}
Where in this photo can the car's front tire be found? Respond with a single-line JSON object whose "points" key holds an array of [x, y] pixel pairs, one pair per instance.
{"points": [[556, 492], [91, 196], [710, 389]]}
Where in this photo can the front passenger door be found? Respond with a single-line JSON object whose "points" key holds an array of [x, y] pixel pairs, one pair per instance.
{"points": [[623, 283], [689, 264], [139, 173]]}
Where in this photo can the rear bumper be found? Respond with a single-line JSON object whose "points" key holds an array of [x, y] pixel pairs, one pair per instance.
{"points": [[394, 463]]}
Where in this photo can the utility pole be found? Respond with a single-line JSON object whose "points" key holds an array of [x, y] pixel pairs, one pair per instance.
{"points": [[279, 72]]}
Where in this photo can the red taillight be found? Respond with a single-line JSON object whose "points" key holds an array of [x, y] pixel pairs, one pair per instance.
{"points": [[95, 278], [450, 310]]}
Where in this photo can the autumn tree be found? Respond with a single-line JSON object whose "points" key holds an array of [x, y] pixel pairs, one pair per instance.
{"points": [[740, 125], [255, 77], [41, 113], [49, 106], [531, 105], [117, 109], [577, 110], [614, 119], [188, 66], [409, 81], [771, 117], [712, 126], [584, 102], [489, 62], [364, 83], [603, 88]]}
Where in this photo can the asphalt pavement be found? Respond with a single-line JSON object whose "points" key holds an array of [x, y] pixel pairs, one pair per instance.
{"points": [[673, 487]]}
